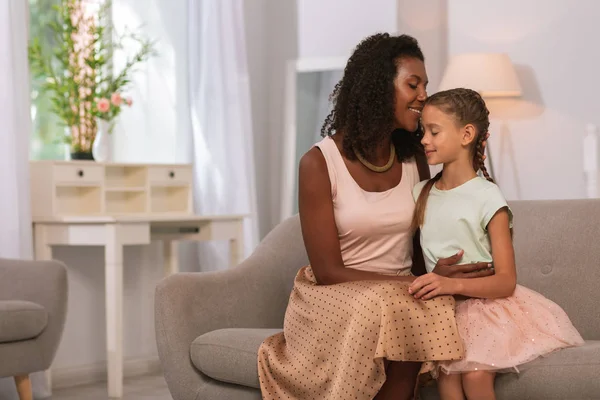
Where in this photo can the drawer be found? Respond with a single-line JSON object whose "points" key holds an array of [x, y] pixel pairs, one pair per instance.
{"points": [[170, 174], [78, 173]]}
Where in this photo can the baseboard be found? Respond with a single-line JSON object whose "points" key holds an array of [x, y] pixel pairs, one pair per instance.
{"points": [[94, 373]]}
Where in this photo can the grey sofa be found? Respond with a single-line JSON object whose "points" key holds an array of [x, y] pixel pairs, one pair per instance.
{"points": [[33, 307], [210, 325]]}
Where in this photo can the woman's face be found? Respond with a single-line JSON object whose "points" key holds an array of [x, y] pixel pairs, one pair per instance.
{"points": [[411, 91]]}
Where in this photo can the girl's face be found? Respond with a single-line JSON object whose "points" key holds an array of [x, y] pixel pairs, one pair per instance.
{"points": [[443, 139], [411, 92]]}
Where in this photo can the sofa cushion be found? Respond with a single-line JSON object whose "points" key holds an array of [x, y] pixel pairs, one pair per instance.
{"points": [[21, 320], [230, 355], [554, 377]]}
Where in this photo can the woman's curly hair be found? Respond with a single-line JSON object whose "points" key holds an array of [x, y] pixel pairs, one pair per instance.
{"points": [[364, 99]]}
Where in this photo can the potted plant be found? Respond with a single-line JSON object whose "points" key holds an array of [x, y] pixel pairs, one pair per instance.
{"points": [[78, 72]]}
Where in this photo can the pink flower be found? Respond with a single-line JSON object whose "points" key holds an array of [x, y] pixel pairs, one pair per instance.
{"points": [[129, 101], [103, 105], [116, 99]]}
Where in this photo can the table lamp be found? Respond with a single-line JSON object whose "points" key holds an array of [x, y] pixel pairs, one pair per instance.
{"points": [[491, 74]]}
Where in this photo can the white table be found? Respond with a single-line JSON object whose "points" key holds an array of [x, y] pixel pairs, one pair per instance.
{"points": [[113, 233]]}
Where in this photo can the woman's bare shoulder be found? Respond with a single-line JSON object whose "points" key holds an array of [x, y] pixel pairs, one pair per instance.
{"points": [[313, 161]]}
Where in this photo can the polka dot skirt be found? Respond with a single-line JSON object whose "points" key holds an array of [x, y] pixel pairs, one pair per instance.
{"points": [[335, 338]]}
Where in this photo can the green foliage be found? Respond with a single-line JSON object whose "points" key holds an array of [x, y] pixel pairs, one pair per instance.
{"points": [[71, 61], [47, 133]]}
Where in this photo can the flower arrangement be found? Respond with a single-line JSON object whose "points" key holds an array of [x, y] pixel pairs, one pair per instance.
{"points": [[78, 71], [108, 109]]}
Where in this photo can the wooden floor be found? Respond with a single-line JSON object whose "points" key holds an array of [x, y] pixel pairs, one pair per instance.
{"points": [[141, 388]]}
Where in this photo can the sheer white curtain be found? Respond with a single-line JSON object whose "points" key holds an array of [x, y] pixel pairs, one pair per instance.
{"points": [[221, 120], [15, 126]]}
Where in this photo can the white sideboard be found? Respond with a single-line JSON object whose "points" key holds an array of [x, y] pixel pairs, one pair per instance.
{"points": [[74, 188], [83, 203]]}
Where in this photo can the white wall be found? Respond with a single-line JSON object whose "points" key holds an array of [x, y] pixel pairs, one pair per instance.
{"points": [[426, 20], [551, 44], [332, 28]]}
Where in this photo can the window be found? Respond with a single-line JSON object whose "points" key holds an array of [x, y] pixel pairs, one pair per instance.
{"points": [[78, 38], [46, 129]]}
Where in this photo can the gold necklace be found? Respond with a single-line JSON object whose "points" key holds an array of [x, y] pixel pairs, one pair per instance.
{"points": [[375, 168]]}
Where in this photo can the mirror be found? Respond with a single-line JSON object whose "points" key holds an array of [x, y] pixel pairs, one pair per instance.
{"points": [[308, 87]]}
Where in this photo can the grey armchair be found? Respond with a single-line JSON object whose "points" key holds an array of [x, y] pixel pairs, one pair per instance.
{"points": [[209, 326], [33, 305]]}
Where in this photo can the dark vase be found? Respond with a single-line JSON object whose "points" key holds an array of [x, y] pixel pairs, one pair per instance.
{"points": [[82, 155]]}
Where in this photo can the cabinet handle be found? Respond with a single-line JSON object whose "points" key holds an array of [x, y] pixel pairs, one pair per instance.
{"points": [[171, 174], [80, 172]]}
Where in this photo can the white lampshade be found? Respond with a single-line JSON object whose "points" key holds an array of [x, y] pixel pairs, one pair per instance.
{"points": [[490, 74]]}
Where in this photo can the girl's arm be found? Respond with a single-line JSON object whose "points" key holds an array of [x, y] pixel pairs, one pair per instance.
{"points": [[501, 284]]}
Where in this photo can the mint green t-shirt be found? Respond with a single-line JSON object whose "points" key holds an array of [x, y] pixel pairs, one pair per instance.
{"points": [[457, 219]]}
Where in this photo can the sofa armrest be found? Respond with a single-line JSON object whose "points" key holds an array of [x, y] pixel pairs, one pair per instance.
{"points": [[44, 283], [188, 305], [254, 294]]}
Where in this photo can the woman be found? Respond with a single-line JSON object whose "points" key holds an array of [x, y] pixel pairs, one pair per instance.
{"points": [[352, 330]]}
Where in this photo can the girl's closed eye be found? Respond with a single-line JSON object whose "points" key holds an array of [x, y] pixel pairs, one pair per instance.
{"points": [[412, 86]]}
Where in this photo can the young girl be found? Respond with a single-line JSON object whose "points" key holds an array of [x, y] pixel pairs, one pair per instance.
{"points": [[502, 324]]}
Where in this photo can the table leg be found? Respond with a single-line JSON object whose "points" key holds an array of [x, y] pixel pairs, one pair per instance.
{"points": [[113, 253], [171, 256], [236, 245]]}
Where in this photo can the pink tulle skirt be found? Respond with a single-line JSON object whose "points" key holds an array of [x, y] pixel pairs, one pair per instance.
{"points": [[501, 334]]}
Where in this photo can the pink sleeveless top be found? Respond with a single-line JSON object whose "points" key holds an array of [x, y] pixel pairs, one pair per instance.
{"points": [[373, 227]]}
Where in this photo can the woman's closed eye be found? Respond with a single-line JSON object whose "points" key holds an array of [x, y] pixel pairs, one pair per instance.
{"points": [[414, 87]]}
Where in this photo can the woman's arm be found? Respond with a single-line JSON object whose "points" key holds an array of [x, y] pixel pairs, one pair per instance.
{"points": [[450, 268], [501, 284], [319, 229], [447, 266]]}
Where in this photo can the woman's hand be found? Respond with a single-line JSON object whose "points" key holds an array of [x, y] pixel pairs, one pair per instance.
{"points": [[431, 285], [447, 267]]}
